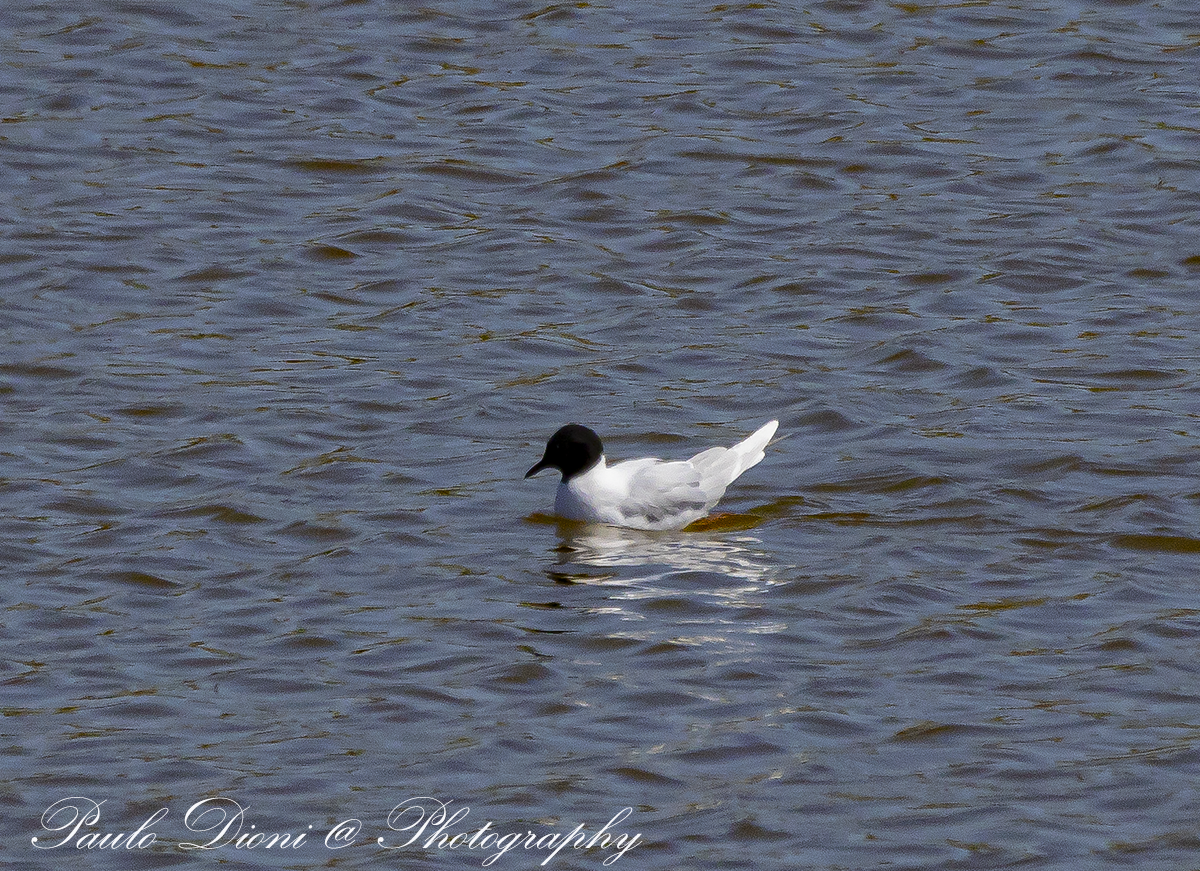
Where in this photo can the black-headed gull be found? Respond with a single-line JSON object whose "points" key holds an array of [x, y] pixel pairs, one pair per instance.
{"points": [[643, 494]]}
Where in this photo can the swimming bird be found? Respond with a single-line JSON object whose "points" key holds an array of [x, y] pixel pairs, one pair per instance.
{"points": [[642, 494]]}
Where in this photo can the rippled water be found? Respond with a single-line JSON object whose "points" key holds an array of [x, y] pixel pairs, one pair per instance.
{"points": [[294, 293]]}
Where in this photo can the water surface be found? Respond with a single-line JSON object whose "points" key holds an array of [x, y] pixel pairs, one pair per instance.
{"points": [[294, 293]]}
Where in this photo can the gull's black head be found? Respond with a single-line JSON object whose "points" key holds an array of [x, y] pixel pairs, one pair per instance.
{"points": [[571, 450]]}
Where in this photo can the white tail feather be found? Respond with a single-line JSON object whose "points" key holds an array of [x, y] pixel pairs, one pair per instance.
{"points": [[720, 467]]}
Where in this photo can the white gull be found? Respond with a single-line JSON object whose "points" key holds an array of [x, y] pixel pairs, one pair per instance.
{"points": [[643, 494]]}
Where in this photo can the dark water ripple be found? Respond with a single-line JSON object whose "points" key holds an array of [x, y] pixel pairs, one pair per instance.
{"points": [[293, 293]]}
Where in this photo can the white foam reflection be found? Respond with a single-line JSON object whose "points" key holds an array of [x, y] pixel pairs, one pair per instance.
{"points": [[704, 573]]}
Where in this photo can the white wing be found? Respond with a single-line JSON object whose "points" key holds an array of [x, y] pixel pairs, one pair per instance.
{"points": [[663, 495], [671, 495], [720, 467]]}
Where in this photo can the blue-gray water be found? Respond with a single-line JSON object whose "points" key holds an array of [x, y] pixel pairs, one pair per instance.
{"points": [[293, 293]]}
